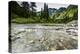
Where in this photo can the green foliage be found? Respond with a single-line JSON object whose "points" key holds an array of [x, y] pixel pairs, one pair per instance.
{"points": [[27, 13], [71, 13], [46, 15]]}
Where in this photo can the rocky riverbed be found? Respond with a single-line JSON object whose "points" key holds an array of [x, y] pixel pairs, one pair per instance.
{"points": [[33, 38]]}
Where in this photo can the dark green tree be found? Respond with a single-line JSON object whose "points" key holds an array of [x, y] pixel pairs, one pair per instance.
{"points": [[26, 7], [33, 10], [16, 10], [46, 15], [41, 15]]}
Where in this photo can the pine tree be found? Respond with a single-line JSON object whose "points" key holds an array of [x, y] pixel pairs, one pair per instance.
{"points": [[46, 15], [41, 15], [26, 9], [33, 10]]}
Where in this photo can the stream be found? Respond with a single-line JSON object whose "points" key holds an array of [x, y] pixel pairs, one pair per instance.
{"points": [[37, 37]]}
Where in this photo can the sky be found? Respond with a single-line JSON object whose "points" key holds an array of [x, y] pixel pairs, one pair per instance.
{"points": [[50, 5]]}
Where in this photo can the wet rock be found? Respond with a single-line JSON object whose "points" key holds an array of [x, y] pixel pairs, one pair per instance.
{"points": [[33, 40]]}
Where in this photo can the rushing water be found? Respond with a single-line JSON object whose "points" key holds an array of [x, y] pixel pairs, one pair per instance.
{"points": [[35, 37]]}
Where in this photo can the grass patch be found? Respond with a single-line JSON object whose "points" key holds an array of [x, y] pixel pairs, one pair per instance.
{"points": [[23, 20]]}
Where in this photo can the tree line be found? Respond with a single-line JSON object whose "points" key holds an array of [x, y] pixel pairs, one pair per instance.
{"points": [[28, 11]]}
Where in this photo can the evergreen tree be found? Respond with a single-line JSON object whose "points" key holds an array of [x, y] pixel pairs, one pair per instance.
{"points": [[26, 7], [33, 10], [46, 15], [41, 15]]}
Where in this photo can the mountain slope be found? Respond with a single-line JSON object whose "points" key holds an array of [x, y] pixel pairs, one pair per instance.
{"points": [[69, 14]]}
